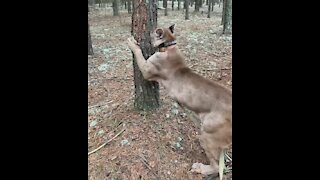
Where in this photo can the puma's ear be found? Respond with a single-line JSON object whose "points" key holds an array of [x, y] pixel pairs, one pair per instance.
{"points": [[172, 28], [159, 32]]}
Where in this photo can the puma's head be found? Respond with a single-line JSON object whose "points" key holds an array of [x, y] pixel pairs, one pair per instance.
{"points": [[162, 35]]}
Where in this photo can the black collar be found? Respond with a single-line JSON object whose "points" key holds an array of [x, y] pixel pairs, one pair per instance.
{"points": [[166, 44]]}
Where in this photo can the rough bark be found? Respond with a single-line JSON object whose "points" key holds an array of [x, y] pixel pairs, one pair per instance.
{"points": [[144, 20]]}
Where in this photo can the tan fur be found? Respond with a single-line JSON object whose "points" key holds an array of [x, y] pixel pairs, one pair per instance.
{"points": [[211, 101]]}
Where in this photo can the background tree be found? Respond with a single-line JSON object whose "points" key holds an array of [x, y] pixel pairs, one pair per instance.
{"points": [[179, 3], [129, 6], [90, 50], [191, 2], [124, 2], [213, 2], [197, 5], [186, 3], [223, 11], [165, 5], [227, 20], [209, 7], [100, 3], [115, 7], [172, 5], [144, 21]]}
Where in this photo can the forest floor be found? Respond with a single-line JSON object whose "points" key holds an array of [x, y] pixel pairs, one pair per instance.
{"points": [[161, 144]]}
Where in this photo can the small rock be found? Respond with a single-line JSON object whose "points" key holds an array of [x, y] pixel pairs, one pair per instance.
{"points": [[93, 123], [169, 172], [178, 145], [101, 132], [103, 67], [179, 139], [167, 116], [124, 142], [175, 111]]}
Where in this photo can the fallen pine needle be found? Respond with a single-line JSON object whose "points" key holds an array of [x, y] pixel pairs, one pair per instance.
{"points": [[230, 159], [99, 105], [145, 162], [106, 142]]}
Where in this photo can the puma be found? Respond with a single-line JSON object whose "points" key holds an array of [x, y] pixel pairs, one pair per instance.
{"points": [[211, 101]]}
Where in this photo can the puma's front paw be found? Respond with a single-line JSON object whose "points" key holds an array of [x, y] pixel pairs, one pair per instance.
{"points": [[203, 169], [132, 43]]}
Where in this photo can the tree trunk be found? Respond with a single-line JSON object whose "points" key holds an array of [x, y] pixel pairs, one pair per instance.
{"points": [[207, 2], [223, 12], [165, 5], [115, 7], [144, 21], [197, 5], [179, 1], [100, 3], [90, 50], [172, 5], [227, 22], [129, 6], [209, 8], [213, 2], [186, 2]]}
